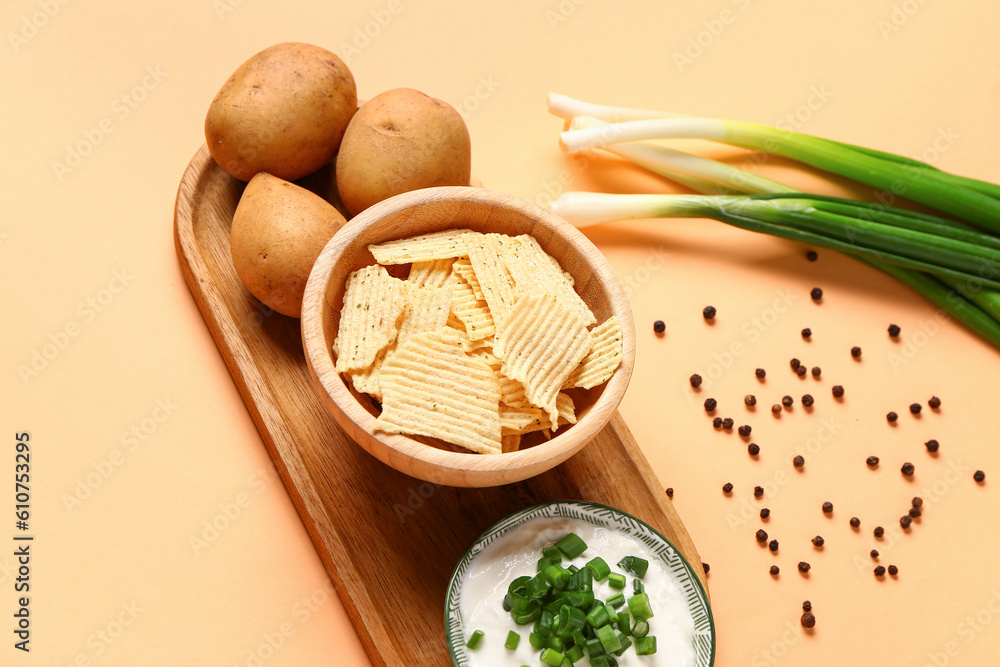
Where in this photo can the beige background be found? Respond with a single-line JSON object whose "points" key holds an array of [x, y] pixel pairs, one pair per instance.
{"points": [[163, 536]]}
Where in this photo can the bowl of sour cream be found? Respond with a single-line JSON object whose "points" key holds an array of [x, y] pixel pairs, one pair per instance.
{"points": [[681, 618]]}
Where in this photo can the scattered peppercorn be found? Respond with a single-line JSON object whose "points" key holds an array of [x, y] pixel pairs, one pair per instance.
{"points": [[872, 461], [879, 571], [774, 570], [753, 449], [807, 400], [695, 380], [816, 294], [758, 491], [794, 363], [891, 417], [827, 507], [706, 567], [979, 476], [750, 400], [800, 371], [807, 333], [727, 423], [932, 445], [808, 620], [917, 501], [816, 371], [708, 312], [744, 430], [727, 487], [812, 255], [798, 461], [893, 570], [764, 513], [659, 326], [915, 408], [710, 404], [773, 545], [856, 352], [934, 403], [760, 373], [776, 408], [762, 536], [717, 422], [907, 469], [894, 330], [873, 553], [804, 566], [914, 512], [879, 531], [905, 521], [807, 605], [818, 541], [670, 492], [838, 391], [787, 401], [855, 522]]}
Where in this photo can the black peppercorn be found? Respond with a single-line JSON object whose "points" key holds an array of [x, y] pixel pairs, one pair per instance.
{"points": [[818, 541], [801, 371], [706, 567], [907, 469], [787, 401], [659, 326], [710, 404], [917, 501], [670, 492], [816, 294], [744, 430], [774, 570], [695, 380], [893, 570], [773, 545], [934, 403], [808, 620], [855, 522], [914, 512], [879, 531], [764, 513], [776, 409], [894, 330], [807, 400], [827, 507], [760, 373], [873, 553], [932, 445], [979, 476], [708, 312], [838, 391], [891, 417], [804, 567], [794, 363], [812, 255], [872, 461], [761, 536], [905, 521], [727, 423], [807, 333], [856, 352], [915, 408], [816, 371], [798, 461], [879, 571], [750, 400], [727, 487], [753, 449], [717, 422], [758, 491]]}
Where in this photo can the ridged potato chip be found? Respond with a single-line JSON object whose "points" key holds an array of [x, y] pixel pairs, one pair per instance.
{"points": [[485, 252], [373, 304], [432, 273], [439, 245], [534, 270], [473, 313], [604, 357]]}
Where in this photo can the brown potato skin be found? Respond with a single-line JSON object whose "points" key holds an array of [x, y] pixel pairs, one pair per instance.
{"points": [[279, 229], [283, 111], [398, 141]]}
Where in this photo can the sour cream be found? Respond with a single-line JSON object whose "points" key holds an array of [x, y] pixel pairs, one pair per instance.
{"points": [[517, 553]]}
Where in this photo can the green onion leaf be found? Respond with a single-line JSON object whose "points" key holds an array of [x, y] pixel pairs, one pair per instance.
{"points": [[616, 580], [598, 568], [571, 546], [551, 657], [638, 605], [634, 565], [645, 645], [513, 639], [474, 640]]}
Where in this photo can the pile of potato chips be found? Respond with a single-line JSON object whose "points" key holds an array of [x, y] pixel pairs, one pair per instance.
{"points": [[477, 345]]}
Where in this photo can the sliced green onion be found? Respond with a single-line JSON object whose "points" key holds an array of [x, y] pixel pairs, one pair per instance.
{"points": [[570, 619], [645, 645], [640, 629], [599, 661], [638, 605], [624, 622], [556, 576], [598, 568], [537, 587], [634, 565], [529, 615], [513, 639], [609, 640], [624, 641], [617, 600], [553, 554], [637, 586], [575, 654], [616, 580], [597, 617], [571, 546], [578, 637], [543, 563], [543, 626], [474, 640], [536, 640], [554, 643], [551, 657]]}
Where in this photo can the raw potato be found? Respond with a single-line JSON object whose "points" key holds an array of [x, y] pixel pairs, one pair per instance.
{"points": [[400, 141], [284, 111], [278, 231]]}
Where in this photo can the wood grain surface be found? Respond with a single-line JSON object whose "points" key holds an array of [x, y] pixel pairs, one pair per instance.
{"points": [[388, 541]]}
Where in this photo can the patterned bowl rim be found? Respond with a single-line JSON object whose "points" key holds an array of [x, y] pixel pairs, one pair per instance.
{"points": [[697, 599]]}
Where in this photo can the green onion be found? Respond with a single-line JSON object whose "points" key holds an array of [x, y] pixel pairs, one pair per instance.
{"points": [[624, 641], [609, 640], [542, 564], [513, 639], [645, 645], [556, 576], [616, 580], [640, 629], [571, 546], [634, 565], [474, 640], [624, 622], [599, 661], [536, 640], [575, 654], [594, 648], [597, 617], [598, 568], [638, 605], [570, 618], [529, 615], [617, 600], [553, 554], [543, 626], [551, 657]]}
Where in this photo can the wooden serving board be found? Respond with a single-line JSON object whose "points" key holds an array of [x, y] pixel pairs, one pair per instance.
{"points": [[389, 542]]}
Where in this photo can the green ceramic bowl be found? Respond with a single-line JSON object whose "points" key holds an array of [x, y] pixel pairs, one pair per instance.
{"points": [[598, 515]]}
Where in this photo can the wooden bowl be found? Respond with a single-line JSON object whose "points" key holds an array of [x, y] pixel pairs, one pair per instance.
{"points": [[436, 209]]}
